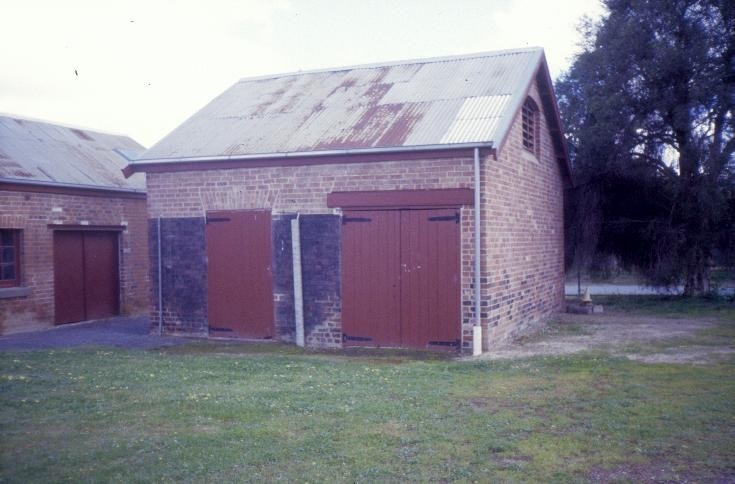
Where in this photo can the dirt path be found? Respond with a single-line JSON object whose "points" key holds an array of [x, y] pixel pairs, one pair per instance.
{"points": [[643, 338]]}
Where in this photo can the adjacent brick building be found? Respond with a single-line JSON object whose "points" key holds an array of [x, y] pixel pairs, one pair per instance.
{"points": [[73, 230], [379, 164]]}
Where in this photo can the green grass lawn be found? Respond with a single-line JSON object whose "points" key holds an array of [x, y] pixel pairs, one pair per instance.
{"points": [[222, 412], [722, 308]]}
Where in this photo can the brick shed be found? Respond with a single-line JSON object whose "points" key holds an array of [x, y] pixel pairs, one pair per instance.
{"points": [[73, 230], [379, 164]]}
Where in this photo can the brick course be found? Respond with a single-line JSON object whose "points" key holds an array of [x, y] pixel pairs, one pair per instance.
{"points": [[32, 213]]}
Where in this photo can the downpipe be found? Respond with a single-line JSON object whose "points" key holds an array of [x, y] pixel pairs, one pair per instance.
{"points": [[477, 327], [160, 282]]}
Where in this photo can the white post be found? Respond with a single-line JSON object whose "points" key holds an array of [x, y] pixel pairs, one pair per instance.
{"points": [[298, 295]]}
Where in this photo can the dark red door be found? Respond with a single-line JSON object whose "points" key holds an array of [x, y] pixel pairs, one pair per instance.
{"points": [[86, 277], [401, 278], [430, 279], [240, 291], [69, 277], [101, 277], [371, 278]]}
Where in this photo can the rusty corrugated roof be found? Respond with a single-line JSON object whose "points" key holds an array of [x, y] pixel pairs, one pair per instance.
{"points": [[37, 151], [442, 101]]}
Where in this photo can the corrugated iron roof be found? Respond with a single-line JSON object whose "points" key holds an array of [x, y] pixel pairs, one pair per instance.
{"points": [[52, 154], [441, 101]]}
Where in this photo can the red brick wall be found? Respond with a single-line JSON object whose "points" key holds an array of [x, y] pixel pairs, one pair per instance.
{"points": [[523, 281], [32, 213], [294, 189]]}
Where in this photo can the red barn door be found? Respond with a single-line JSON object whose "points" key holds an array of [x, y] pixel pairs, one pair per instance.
{"points": [[86, 275], [239, 288], [401, 278], [371, 313], [430, 279]]}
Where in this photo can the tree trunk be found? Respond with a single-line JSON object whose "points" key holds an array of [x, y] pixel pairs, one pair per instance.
{"points": [[699, 220], [697, 276]]}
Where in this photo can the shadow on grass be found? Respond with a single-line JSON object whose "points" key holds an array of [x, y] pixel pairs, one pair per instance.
{"points": [[721, 307], [376, 355]]}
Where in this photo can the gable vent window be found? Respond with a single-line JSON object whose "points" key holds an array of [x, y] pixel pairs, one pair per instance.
{"points": [[530, 119]]}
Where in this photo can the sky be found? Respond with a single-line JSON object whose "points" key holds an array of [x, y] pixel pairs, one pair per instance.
{"points": [[142, 67]]}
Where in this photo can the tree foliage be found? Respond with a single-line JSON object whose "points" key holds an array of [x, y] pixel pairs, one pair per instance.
{"points": [[648, 105]]}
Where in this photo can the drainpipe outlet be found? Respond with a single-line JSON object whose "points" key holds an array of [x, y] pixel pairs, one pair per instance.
{"points": [[476, 340]]}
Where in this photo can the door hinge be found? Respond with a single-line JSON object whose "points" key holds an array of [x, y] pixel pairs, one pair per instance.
{"points": [[444, 343], [217, 219], [355, 219], [446, 218], [346, 337]]}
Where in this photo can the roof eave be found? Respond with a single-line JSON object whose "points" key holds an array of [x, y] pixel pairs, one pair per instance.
{"points": [[543, 78], [8, 183], [140, 164]]}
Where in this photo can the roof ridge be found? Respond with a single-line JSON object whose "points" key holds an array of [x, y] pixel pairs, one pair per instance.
{"points": [[30, 119], [375, 65]]}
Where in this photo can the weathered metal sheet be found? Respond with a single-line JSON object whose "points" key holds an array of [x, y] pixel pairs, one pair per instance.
{"points": [[460, 99], [35, 150], [476, 119]]}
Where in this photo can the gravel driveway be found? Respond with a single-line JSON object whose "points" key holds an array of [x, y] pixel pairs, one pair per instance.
{"points": [[650, 339], [123, 332]]}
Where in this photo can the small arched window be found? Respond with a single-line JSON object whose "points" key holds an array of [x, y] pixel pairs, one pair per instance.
{"points": [[530, 119]]}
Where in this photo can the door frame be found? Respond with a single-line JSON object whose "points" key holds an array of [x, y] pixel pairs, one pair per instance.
{"points": [[117, 229], [212, 216], [421, 199]]}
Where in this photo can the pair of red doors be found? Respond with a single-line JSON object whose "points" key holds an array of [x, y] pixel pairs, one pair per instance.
{"points": [[86, 275], [401, 278]]}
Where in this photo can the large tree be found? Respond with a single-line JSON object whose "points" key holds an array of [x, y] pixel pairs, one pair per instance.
{"points": [[648, 105]]}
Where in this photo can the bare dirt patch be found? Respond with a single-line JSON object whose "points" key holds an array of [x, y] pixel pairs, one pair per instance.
{"points": [[649, 339], [684, 354], [649, 472]]}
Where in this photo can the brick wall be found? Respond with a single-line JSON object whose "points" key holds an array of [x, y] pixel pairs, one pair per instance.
{"points": [[294, 189], [183, 276], [320, 274], [523, 281], [32, 213]]}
